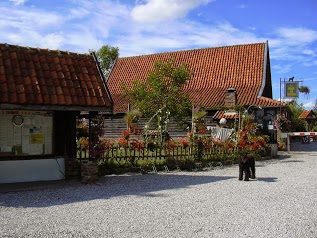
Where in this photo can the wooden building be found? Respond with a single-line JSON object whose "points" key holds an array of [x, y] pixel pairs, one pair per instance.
{"points": [[41, 93], [228, 76], [310, 117]]}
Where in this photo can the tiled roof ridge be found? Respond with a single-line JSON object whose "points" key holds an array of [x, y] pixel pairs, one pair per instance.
{"points": [[190, 50], [272, 100], [45, 51]]}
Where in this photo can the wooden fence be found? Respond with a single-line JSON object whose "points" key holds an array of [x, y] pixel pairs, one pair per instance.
{"points": [[129, 154]]}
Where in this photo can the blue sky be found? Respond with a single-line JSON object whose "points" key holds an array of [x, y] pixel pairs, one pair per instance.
{"points": [[151, 26]]}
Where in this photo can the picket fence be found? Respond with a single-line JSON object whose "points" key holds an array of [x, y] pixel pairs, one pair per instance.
{"points": [[196, 153]]}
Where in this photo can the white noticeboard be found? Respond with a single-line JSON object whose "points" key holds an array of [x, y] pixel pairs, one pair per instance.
{"points": [[34, 135]]}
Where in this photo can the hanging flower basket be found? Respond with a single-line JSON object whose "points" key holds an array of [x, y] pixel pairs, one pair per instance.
{"points": [[304, 89]]}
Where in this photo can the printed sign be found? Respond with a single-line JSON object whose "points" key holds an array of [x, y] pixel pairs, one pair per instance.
{"points": [[291, 90], [36, 138]]}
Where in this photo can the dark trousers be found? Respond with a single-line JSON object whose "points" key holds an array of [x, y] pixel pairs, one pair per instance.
{"points": [[252, 167], [244, 168]]}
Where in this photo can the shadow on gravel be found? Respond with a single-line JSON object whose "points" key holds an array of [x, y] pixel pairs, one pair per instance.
{"points": [[292, 161], [268, 180], [298, 146], [107, 188], [282, 157]]}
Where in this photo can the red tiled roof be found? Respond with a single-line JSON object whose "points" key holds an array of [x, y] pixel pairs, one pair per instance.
{"points": [[267, 102], [307, 114], [243, 67], [223, 114], [31, 76]]}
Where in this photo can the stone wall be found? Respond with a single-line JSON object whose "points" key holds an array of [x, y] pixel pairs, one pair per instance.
{"points": [[71, 168], [89, 171]]}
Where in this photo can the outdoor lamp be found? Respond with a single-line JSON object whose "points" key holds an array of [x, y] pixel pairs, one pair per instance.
{"points": [[223, 121]]}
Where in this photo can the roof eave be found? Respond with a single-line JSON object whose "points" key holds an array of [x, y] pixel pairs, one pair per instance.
{"points": [[5, 106], [103, 79], [266, 49]]}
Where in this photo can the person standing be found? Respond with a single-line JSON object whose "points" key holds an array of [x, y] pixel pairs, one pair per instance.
{"points": [[252, 165], [244, 166]]}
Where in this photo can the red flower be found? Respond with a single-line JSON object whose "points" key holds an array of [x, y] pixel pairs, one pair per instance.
{"points": [[126, 134], [170, 144], [136, 145], [123, 142], [184, 142]]}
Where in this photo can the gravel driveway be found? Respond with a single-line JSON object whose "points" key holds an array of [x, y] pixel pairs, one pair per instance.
{"points": [[282, 202]]}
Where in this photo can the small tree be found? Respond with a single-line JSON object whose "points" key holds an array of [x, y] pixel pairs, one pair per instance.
{"points": [[283, 124], [163, 88], [248, 138], [97, 146], [314, 122], [107, 56], [198, 120], [296, 123]]}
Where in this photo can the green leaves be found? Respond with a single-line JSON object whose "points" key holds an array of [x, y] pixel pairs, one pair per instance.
{"points": [[107, 56], [163, 87]]}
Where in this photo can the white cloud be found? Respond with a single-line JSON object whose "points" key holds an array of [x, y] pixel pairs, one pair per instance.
{"points": [[219, 35], [18, 2], [29, 19], [179, 35], [309, 63], [77, 27], [295, 36], [14, 38], [83, 25], [52, 40], [309, 105], [82, 42], [31, 27], [79, 12], [309, 52], [162, 10], [282, 69], [293, 45]]}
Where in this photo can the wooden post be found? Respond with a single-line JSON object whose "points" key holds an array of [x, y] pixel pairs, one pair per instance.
{"points": [[288, 143]]}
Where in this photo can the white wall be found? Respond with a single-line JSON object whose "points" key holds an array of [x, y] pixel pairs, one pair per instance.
{"points": [[32, 170]]}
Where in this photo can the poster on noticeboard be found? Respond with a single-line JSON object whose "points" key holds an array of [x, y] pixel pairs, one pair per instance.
{"points": [[36, 138]]}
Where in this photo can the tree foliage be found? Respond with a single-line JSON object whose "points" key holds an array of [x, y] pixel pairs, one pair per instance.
{"points": [[107, 56], [163, 88], [313, 125], [296, 109]]}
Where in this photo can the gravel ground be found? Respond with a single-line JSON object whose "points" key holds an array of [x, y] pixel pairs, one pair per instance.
{"points": [[281, 202]]}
